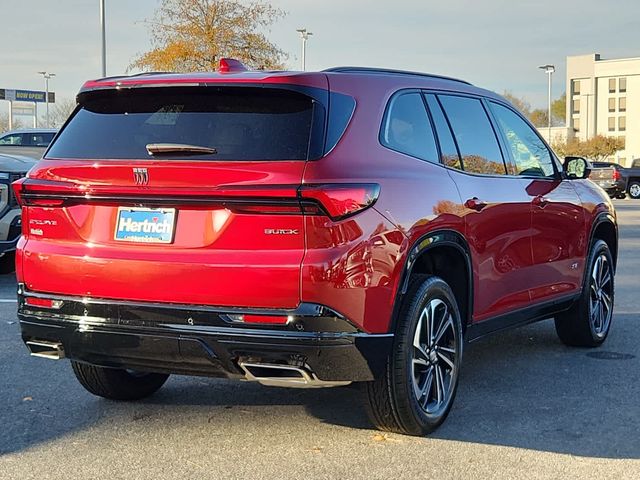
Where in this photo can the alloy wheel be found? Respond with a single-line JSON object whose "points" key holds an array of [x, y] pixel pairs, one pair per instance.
{"points": [[634, 190], [601, 296], [435, 356]]}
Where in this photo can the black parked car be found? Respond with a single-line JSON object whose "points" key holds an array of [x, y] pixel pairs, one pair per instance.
{"points": [[631, 176]]}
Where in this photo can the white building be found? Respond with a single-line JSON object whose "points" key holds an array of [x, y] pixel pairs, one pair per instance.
{"points": [[603, 98]]}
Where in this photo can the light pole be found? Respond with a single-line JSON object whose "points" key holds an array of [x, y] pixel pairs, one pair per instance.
{"points": [[104, 39], [549, 69], [47, 76], [304, 35]]}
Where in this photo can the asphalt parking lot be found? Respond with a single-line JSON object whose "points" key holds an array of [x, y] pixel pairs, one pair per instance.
{"points": [[528, 407]]}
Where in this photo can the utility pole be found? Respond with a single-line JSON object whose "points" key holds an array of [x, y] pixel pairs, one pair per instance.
{"points": [[304, 35], [104, 39]]}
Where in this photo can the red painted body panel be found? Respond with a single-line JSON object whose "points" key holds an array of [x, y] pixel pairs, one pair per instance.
{"points": [[559, 239], [499, 240]]}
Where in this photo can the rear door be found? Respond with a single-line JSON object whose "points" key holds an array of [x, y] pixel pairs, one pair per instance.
{"points": [[125, 206], [497, 207]]}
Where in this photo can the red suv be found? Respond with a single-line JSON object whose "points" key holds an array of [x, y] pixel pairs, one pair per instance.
{"points": [[305, 230]]}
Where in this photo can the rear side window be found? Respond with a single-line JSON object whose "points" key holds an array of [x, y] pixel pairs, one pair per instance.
{"points": [[474, 134], [530, 155], [40, 139], [406, 128], [239, 123], [448, 149]]}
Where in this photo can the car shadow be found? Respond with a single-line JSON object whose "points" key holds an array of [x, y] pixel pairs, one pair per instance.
{"points": [[520, 388]]}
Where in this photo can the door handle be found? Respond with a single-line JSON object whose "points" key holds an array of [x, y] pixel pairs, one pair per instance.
{"points": [[475, 204], [540, 201]]}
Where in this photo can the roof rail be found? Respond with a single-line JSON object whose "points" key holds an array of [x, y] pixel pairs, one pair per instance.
{"points": [[387, 71]]}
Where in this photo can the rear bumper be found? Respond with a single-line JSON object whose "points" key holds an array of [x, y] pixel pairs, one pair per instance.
{"points": [[202, 340]]}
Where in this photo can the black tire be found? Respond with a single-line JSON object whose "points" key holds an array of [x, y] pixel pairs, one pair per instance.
{"points": [[8, 263], [117, 384], [621, 196], [634, 189], [587, 322], [396, 402]]}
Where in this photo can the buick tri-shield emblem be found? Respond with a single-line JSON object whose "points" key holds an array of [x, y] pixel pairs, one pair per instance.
{"points": [[140, 176]]}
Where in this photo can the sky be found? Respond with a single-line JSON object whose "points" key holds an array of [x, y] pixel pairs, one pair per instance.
{"points": [[494, 44]]}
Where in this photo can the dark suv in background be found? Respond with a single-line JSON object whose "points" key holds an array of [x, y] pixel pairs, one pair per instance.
{"points": [[304, 229], [610, 177]]}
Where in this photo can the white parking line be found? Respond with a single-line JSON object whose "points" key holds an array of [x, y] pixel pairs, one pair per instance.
{"points": [[8, 300]]}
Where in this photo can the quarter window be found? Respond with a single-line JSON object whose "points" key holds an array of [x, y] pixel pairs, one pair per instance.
{"points": [[475, 136], [407, 129], [530, 155], [448, 149]]}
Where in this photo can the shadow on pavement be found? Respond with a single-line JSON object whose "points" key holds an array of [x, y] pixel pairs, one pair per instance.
{"points": [[520, 389]]}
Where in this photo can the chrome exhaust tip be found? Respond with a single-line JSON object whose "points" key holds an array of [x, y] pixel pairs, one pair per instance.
{"points": [[45, 349], [275, 375]]}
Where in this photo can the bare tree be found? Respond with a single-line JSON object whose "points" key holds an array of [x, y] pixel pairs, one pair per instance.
{"points": [[61, 111], [4, 122]]}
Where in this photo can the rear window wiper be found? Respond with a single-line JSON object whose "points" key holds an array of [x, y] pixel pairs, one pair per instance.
{"points": [[179, 149]]}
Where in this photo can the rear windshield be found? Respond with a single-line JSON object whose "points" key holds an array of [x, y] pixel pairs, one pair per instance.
{"points": [[239, 123]]}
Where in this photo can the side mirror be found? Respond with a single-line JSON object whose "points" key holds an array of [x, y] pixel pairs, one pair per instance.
{"points": [[577, 167]]}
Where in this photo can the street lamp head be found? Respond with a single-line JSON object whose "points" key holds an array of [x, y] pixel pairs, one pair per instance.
{"points": [[548, 68]]}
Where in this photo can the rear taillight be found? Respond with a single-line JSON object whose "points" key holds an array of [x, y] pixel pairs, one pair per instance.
{"points": [[42, 193], [616, 174], [335, 200], [339, 201]]}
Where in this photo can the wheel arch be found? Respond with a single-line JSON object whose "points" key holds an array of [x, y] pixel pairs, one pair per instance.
{"points": [[429, 255], [605, 228]]}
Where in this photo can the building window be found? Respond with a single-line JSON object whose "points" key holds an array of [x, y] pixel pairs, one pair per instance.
{"points": [[576, 87], [576, 124], [622, 85], [576, 106], [622, 124], [612, 104], [623, 139], [622, 104], [612, 124], [612, 85], [622, 161]]}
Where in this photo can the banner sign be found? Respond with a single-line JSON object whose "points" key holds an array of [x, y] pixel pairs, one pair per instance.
{"points": [[26, 96]]}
